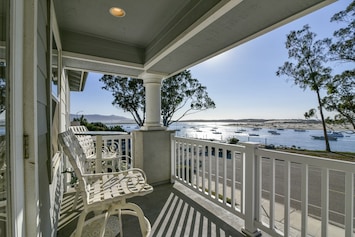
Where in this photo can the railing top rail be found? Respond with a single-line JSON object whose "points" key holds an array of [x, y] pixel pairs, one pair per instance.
{"points": [[111, 137], [210, 143], [306, 159]]}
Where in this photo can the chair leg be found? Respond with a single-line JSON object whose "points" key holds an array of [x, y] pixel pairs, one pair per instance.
{"points": [[137, 211], [103, 227], [120, 222], [80, 225], [75, 201]]}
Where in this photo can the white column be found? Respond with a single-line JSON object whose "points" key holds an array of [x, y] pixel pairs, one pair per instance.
{"points": [[30, 123], [15, 114], [152, 84]]}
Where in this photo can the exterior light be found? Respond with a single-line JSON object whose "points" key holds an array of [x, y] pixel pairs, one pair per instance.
{"points": [[117, 12]]}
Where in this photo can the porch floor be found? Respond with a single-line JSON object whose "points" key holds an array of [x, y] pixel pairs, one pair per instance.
{"points": [[172, 209]]}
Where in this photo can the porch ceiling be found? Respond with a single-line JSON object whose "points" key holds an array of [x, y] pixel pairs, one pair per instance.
{"points": [[164, 36]]}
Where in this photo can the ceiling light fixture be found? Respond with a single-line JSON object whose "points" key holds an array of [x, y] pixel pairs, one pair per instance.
{"points": [[117, 12]]}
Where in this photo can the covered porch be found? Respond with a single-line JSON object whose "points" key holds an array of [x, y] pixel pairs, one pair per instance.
{"points": [[173, 210], [218, 189], [48, 50]]}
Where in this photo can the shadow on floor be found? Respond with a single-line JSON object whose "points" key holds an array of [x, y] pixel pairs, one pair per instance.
{"points": [[170, 212]]}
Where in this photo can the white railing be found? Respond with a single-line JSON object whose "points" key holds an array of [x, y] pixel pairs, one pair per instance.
{"points": [[269, 190], [121, 144], [195, 164], [117, 149]]}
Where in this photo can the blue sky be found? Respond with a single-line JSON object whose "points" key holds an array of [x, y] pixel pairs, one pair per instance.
{"points": [[242, 81]]}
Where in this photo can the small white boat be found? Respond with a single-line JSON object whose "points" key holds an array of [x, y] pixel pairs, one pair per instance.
{"points": [[330, 138], [253, 134], [335, 134]]}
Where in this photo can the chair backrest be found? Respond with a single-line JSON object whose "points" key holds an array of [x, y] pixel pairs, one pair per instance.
{"points": [[86, 141], [78, 129], [88, 144], [76, 157]]}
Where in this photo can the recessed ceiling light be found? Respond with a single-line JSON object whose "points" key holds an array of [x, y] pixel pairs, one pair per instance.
{"points": [[117, 12]]}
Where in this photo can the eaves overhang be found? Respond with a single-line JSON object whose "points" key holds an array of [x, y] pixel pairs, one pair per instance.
{"points": [[165, 36]]}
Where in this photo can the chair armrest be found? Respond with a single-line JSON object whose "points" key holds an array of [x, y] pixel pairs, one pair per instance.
{"points": [[125, 172], [134, 179]]}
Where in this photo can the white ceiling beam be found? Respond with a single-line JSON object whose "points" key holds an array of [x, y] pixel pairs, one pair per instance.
{"points": [[211, 16]]}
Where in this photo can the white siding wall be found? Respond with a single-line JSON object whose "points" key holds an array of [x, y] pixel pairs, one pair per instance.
{"points": [[50, 181], [42, 122]]}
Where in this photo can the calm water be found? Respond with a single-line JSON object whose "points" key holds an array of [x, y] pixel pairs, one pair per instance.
{"points": [[287, 137]]}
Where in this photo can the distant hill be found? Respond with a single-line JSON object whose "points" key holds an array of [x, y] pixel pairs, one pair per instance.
{"points": [[120, 119], [103, 118], [227, 120], [307, 121]]}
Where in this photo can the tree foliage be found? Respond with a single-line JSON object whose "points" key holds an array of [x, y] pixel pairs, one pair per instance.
{"points": [[308, 66], [97, 126], [128, 94], [180, 94], [181, 90], [341, 99], [344, 47], [341, 90]]}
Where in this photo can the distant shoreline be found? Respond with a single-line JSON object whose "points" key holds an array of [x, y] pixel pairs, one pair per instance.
{"points": [[278, 124], [306, 124]]}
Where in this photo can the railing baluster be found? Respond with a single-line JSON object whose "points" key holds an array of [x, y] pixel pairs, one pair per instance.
{"points": [[209, 170], [272, 194], [242, 183], [349, 203], [217, 173], [183, 162], [179, 159], [233, 181], [203, 169], [123, 145], [192, 164], [188, 162], [258, 187], [119, 147], [304, 200], [224, 176], [287, 191], [325, 201], [174, 155], [198, 158]]}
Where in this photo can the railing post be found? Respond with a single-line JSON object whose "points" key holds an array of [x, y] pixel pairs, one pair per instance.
{"points": [[251, 184], [173, 158]]}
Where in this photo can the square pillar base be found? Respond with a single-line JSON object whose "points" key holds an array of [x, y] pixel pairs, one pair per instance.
{"points": [[152, 153]]}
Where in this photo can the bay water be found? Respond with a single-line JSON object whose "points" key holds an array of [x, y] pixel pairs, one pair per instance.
{"points": [[222, 131]]}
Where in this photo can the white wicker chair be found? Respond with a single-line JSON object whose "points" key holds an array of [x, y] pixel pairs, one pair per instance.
{"points": [[111, 159], [105, 192]]}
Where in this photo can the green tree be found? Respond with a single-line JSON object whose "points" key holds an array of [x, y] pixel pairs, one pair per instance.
{"points": [[232, 140], [180, 90], [341, 91], [308, 68], [344, 47], [341, 99], [177, 93], [128, 94], [97, 126]]}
